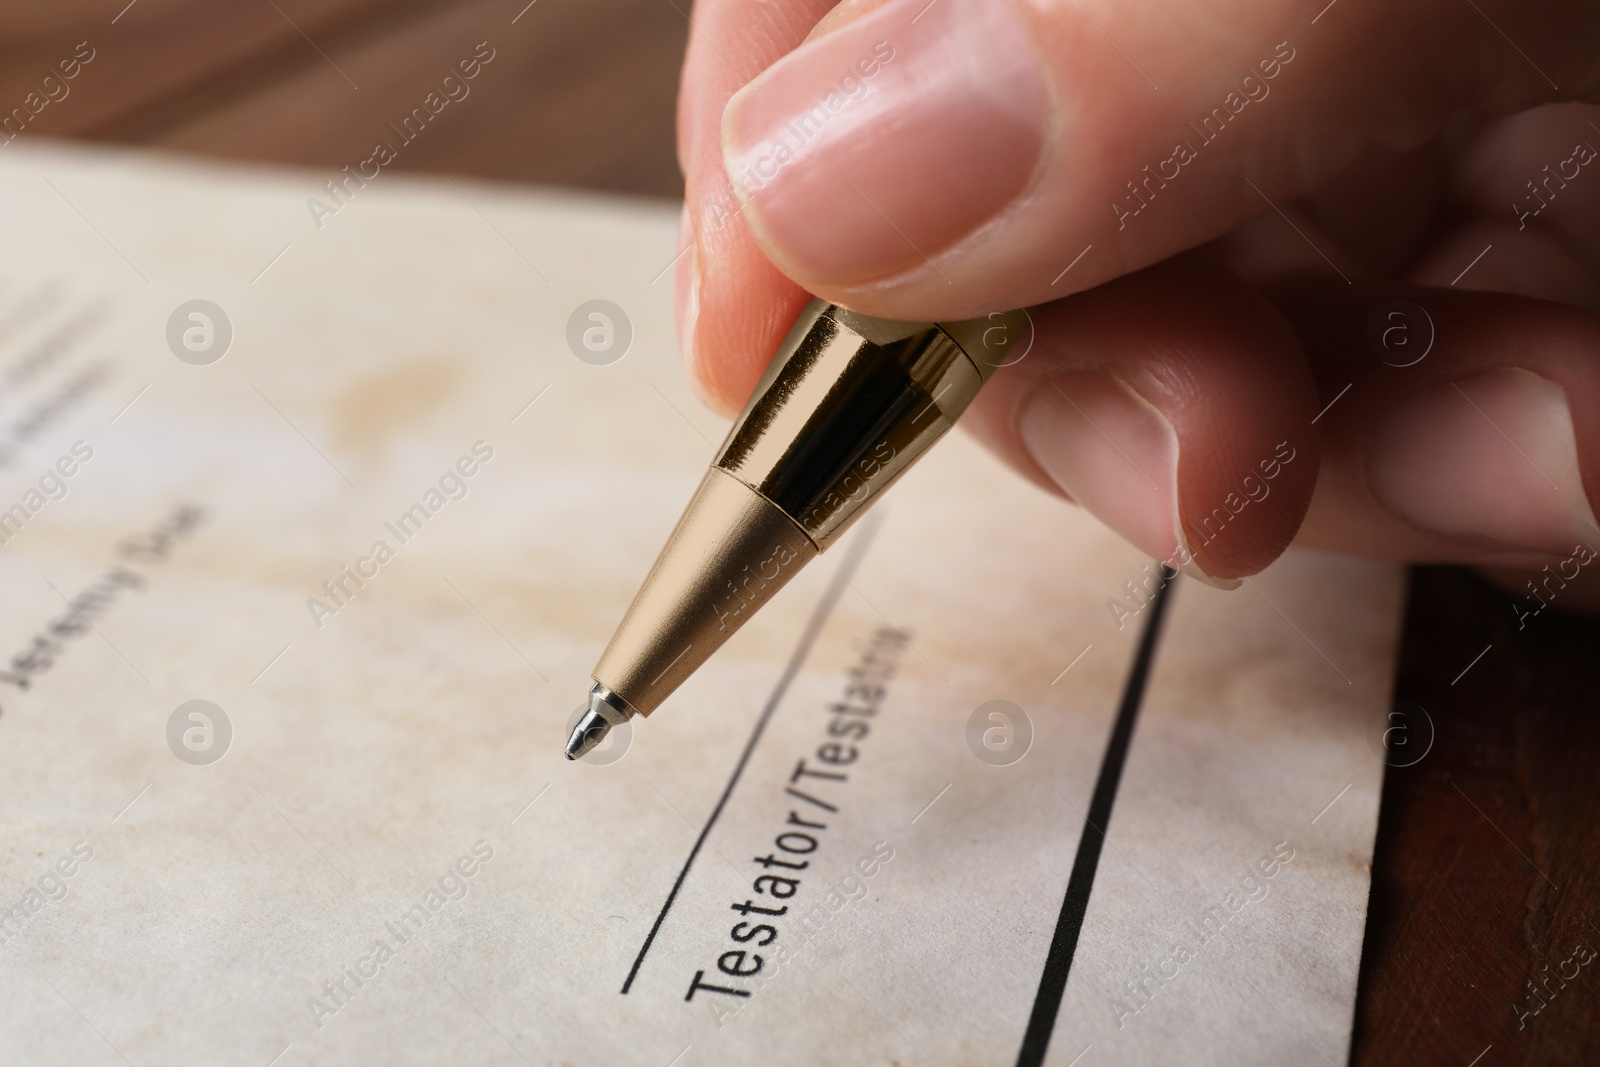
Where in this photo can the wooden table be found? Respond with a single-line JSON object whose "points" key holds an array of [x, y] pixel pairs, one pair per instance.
{"points": [[1487, 870]]}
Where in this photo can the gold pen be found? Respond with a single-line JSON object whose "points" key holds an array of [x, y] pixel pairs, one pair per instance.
{"points": [[848, 403]]}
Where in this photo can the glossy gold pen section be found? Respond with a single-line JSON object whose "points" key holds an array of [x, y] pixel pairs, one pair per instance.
{"points": [[847, 404]]}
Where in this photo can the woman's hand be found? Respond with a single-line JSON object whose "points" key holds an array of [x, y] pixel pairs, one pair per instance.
{"points": [[1342, 263]]}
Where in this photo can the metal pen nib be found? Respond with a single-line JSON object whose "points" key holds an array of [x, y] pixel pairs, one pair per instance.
{"points": [[589, 732], [605, 710]]}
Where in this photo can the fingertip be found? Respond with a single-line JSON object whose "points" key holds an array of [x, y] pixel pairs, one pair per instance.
{"points": [[1174, 404], [842, 148], [734, 309], [1109, 450], [1473, 442], [1439, 460]]}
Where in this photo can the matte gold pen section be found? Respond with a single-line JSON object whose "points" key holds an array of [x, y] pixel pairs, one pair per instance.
{"points": [[731, 551]]}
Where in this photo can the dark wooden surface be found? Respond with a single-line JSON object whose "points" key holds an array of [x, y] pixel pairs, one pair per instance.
{"points": [[1487, 870], [580, 92]]}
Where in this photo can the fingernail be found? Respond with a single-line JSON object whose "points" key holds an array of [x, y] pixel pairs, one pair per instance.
{"points": [[875, 146], [1491, 458], [686, 286], [1112, 453]]}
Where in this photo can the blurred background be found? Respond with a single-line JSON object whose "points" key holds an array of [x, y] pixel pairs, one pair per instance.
{"points": [[580, 92]]}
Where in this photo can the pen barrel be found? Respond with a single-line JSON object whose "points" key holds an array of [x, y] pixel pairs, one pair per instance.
{"points": [[850, 402], [846, 406], [730, 552]]}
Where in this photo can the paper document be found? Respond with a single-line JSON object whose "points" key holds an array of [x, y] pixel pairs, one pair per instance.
{"points": [[313, 523]]}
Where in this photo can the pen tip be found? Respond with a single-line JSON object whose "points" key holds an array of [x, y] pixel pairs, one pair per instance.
{"points": [[590, 731], [603, 710]]}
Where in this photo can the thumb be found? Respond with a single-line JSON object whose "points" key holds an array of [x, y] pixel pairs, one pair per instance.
{"points": [[937, 158]]}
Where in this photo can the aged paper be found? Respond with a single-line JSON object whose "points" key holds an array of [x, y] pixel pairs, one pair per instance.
{"points": [[376, 510]]}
